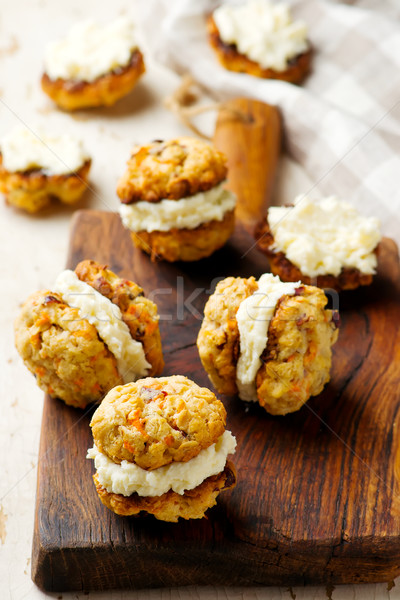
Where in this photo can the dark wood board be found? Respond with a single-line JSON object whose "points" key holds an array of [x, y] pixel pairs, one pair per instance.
{"points": [[317, 498]]}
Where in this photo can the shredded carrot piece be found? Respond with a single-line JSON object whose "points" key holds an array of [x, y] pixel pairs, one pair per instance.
{"points": [[96, 388], [231, 324], [138, 423], [82, 333], [295, 388], [42, 320], [169, 439], [151, 327], [128, 446], [35, 340], [311, 354], [40, 371], [155, 386]]}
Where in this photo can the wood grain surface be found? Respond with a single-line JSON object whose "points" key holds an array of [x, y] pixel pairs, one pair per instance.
{"points": [[318, 493]]}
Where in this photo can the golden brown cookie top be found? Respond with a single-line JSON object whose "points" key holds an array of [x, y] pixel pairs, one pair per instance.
{"points": [[297, 359], [156, 421], [138, 313], [224, 303], [64, 350], [171, 170], [45, 309], [218, 339], [106, 282]]}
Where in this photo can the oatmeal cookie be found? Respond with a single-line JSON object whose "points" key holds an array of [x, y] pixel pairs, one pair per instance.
{"points": [[218, 339], [64, 351], [347, 279], [171, 506], [156, 421], [106, 90], [160, 447], [174, 200], [80, 342], [139, 313], [186, 244], [228, 55], [171, 170], [32, 190], [296, 360]]}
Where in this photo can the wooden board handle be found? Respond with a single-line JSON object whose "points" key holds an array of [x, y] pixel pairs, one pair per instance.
{"points": [[249, 133]]}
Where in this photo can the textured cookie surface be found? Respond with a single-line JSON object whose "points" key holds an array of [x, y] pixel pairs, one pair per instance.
{"points": [[218, 339], [103, 91], [153, 422], [233, 60], [171, 170], [33, 190], [139, 313], [297, 359], [171, 506], [186, 244], [64, 351]]}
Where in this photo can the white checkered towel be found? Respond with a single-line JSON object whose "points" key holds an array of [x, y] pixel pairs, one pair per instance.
{"points": [[343, 124]]}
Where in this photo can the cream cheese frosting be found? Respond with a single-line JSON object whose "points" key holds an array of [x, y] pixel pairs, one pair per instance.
{"points": [[253, 319], [107, 318], [324, 237], [185, 213], [262, 31], [127, 478], [22, 149], [90, 50]]}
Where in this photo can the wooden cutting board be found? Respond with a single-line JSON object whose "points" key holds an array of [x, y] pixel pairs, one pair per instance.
{"points": [[318, 493]]}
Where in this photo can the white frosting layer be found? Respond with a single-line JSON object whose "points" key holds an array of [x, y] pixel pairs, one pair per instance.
{"points": [[323, 237], [186, 213], [107, 318], [262, 31], [90, 50], [55, 155], [127, 478], [253, 319]]}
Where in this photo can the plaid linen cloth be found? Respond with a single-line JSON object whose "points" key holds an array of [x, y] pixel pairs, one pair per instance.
{"points": [[342, 125]]}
